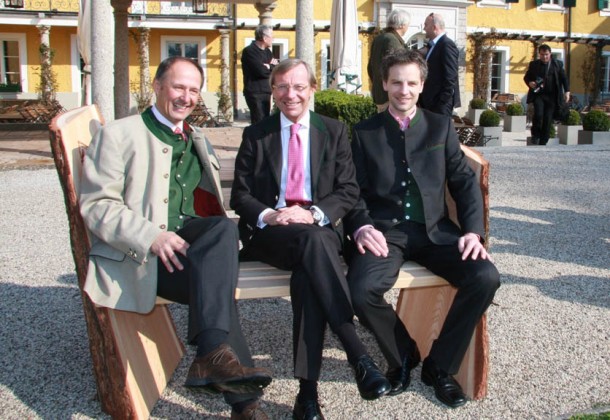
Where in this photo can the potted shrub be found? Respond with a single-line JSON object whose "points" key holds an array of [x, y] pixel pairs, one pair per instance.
{"points": [[489, 127], [596, 126], [475, 108], [515, 119], [568, 130]]}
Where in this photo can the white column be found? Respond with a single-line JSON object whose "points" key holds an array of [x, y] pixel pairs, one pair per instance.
{"points": [[304, 35], [225, 59], [102, 58]]}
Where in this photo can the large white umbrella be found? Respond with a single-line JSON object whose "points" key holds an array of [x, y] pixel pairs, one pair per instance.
{"points": [[83, 38], [344, 43]]}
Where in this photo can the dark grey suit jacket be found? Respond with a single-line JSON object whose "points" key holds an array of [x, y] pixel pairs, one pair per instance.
{"points": [[258, 167], [430, 147], [442, 87]]}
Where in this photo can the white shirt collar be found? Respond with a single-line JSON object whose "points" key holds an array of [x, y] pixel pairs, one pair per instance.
{"points": [[286, 123], [165, 121]]}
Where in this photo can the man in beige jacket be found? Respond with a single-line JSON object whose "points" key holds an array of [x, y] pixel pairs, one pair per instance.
{"points": [[151, 199]]}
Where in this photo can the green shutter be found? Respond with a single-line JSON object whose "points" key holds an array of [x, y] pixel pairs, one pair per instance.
{"points": [[601, 4], [569, 3], [538, 2]]}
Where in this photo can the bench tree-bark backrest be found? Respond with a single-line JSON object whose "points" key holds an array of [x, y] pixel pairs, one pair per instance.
{"points": [[133, 355]]}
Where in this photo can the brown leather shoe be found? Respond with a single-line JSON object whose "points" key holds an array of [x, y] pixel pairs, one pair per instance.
{"points": [[251, 412], [220, 371]]}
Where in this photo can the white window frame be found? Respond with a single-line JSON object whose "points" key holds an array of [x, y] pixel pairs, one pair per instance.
{"points": [[552, 7], [498, 4], [188, 39], [504, 69], [23, 58]]}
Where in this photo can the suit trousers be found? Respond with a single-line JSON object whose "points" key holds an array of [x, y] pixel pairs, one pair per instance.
{"points": [[544, 108], [207, 284], [369, 277], [259, 105], [318, 288]]}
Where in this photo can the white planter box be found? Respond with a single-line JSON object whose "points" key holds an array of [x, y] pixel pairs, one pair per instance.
{"points": [[491, 136], [514, 123], [593, 137], [474, 114], [568, 134]]}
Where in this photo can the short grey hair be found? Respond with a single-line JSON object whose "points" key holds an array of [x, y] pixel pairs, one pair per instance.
{"points": [[438, 20], [398, 18], [261, 31]]}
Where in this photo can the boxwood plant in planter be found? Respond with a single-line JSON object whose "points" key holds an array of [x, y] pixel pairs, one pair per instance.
{"points": [[515, 119], [568, 130], [596, 126], [476, 107], [489, 127]]}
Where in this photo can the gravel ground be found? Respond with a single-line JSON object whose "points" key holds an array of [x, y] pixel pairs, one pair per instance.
{"points": [[549, 333]]}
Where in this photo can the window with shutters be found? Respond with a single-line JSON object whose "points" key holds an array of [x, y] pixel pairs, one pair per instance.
{"points": [[13, 75], [550, 5]]}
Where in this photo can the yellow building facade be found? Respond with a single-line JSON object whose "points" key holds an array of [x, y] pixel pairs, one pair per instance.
{"points": [[176, 29]]}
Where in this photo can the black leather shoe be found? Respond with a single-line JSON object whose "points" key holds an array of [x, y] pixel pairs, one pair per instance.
{"points": [[372, 384], [308, 410], [400, 377], [446, 389]]}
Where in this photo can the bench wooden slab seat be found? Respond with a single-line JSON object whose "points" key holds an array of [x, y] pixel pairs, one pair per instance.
{"points": [[135, 355]]}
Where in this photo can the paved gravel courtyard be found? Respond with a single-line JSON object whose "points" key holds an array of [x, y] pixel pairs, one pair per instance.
{"points": [[549, 327]]}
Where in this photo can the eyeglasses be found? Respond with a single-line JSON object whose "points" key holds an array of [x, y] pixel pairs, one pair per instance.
{"points": [[286, 88]]}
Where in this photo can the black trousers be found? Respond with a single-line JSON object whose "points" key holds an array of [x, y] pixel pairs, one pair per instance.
{"points": [[369, 277], [318, 288], [259, 105], [207, 284], [544, 108]]}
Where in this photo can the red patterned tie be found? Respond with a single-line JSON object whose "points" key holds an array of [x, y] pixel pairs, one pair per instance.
{"points": [[295, 182], [178, 130]]}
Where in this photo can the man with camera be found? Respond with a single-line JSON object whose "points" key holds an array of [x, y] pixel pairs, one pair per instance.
{"points": [[548, 91]]}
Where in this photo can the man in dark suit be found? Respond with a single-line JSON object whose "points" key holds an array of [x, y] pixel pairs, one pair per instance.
{"points": [[442, 88], [548, 90], [404, 158], [294, 182]]}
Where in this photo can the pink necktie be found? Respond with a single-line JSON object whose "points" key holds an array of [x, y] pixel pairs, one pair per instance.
{"points": [[295, 181], [178, 130]]}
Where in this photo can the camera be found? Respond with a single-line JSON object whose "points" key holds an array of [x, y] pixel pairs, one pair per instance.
{"points": [[539, 85]]}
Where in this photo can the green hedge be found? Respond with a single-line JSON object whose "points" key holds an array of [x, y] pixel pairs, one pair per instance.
{"points": [[350, 109], [596, 120]]}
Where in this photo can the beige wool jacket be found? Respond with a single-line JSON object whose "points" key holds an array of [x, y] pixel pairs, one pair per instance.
{"points": [[124, 203]]}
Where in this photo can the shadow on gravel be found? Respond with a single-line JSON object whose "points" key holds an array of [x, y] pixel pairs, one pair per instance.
{"points": [[554, 234]]}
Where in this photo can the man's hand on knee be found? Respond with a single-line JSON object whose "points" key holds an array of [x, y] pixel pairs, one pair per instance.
{"points": [[165, 247], [370, 238], [470, 246]]}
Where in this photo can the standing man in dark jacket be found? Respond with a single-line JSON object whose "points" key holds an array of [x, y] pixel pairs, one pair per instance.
{"points": [[548, 89], [442, 88], [389, 40], [256, 63]]}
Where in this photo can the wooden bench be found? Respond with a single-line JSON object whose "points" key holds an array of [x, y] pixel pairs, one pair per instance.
{"points": [[135, 355]]}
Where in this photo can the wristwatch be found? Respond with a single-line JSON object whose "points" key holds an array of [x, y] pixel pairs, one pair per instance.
{"points": [[317, 216]]}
